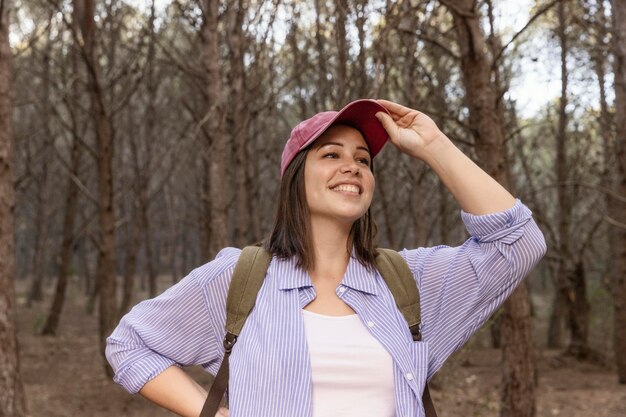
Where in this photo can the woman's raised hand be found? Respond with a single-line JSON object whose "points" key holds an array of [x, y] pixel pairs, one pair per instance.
{"points": [[409, 130]]}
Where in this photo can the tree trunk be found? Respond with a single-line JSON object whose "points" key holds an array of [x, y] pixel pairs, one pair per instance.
{"points": [[360, 72], [341, 77], [561, 305], [406, 27], [173, 233], [599, 58], [41, 186], [254, 205], [145, 195], [206, 210], [87, 270], [557, 316], [130, 263], [619, 275], [567, 279], [41, 183], [12, 401], [65, 255], [322, 91], [69, 217], [106, 278], [579, 314], [218, 150], [237, 122], [150, 261], [299, 63], [518, 396], [35, 293]]}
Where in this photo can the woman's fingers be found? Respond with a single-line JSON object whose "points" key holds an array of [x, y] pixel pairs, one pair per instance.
{"points": [[395, 109], [222, 412], [388, 123]]}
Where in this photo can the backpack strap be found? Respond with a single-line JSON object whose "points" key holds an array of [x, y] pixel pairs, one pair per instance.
{"points": [[246, 282], [399, 278]]}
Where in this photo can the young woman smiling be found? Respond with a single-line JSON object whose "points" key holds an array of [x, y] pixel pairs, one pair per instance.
{"points": [[325, 337]]}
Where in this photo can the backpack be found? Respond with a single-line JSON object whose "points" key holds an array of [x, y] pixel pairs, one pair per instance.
{"points": [[246, 282]]}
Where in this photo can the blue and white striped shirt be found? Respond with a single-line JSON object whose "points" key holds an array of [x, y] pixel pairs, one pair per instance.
{"points": [[270, 374]]}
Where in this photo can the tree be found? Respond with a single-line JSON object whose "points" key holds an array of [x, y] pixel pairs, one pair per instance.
{"points": [[71, 204], [216, 157], [238, 119], [619, 275], [12, 401], [487, 120], [83, 12], [569, 272]]}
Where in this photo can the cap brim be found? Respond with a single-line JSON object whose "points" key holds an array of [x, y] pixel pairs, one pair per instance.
{"points": [[360, 114]]}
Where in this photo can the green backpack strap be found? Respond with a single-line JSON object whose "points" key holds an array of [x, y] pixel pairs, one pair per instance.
{"points": [[245, 284], [399, 278]]}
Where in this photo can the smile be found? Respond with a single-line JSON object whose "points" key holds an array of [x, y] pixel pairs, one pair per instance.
{"points": [[347, 188]]}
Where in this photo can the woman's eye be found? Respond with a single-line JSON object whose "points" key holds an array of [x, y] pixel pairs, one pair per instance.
{"points": [[331, 155], [364, 161]]}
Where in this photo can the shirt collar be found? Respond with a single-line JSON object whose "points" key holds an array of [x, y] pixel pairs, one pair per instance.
{"points": [[289, 274], [357, 276], [360, 278]]}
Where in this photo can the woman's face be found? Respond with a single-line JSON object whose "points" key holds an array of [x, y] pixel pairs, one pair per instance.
{"points": [[339, 183]]}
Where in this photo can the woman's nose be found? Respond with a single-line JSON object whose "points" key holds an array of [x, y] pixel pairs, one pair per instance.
{"points": [[350, 167]]}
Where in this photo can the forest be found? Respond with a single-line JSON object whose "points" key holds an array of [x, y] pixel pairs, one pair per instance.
{"points": [[140, 137]]}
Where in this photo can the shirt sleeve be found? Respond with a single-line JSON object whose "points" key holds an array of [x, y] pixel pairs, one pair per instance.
{"points": [[177, 328], [461, 287]]}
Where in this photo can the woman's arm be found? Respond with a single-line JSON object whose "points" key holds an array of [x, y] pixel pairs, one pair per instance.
{"points": [[416, 134], [176, 391], [180, 327], [461, 287]]}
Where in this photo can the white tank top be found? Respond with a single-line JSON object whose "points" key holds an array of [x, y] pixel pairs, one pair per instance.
{"points": [[352, 373]]}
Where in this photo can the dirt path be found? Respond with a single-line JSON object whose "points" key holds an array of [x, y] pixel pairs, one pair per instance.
{"points": [[64, 377]]}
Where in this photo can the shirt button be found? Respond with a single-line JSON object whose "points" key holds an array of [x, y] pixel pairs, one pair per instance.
{"points": [[409, 376], [370, 324], [342, 290]]}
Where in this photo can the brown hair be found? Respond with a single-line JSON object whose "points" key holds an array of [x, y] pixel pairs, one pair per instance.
{"points": [[291, 235]]}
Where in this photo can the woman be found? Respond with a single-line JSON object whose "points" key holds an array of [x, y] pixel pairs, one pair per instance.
{"points": [[325, 337]]}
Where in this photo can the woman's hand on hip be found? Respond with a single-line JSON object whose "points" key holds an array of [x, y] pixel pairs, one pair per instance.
{"points": [[222, 412], [409, 130]]}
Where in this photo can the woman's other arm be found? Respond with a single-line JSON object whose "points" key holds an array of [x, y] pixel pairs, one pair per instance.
{"points": [[176, 391], [181, 327]]}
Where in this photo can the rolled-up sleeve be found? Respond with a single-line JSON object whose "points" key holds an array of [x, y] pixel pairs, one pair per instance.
{"points": [[176, 328], [461, 287]]}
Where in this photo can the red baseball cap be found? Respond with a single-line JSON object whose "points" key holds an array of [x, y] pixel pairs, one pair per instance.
{"points": [[360, 114]]}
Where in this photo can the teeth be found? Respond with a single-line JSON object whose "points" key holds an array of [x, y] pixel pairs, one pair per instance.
{"points": [[347, 188]]}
